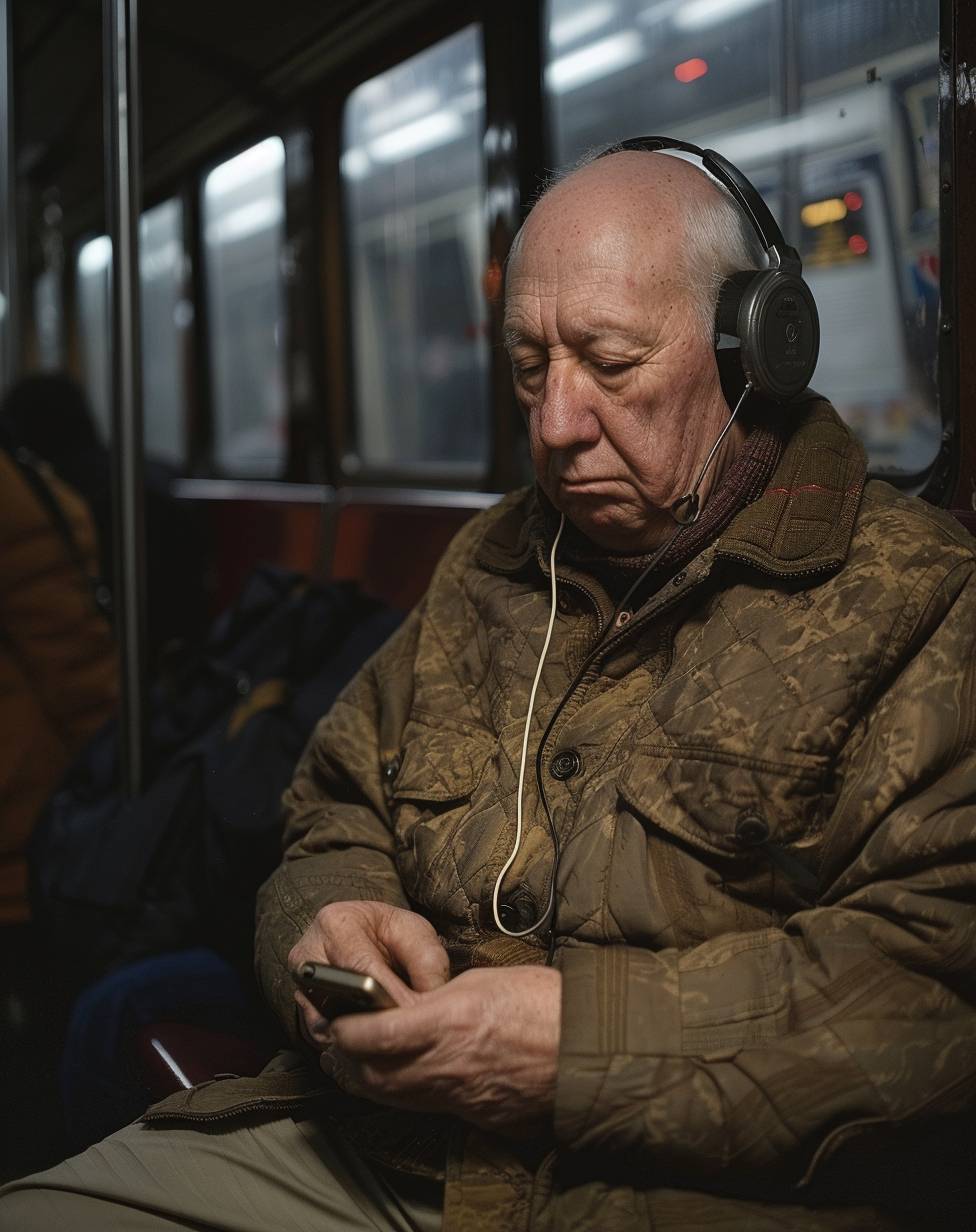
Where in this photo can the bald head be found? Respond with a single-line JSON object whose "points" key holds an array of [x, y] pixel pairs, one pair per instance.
{"points": [[609, 330], [671, 222]]}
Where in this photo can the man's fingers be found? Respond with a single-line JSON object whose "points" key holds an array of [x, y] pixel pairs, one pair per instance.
{"points": [[428, 968], [316, 1030], [375, 939], [385, 1033], [415, 946]]}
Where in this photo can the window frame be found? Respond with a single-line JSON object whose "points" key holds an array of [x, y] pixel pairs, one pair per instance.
{"points": [[952, 480]]}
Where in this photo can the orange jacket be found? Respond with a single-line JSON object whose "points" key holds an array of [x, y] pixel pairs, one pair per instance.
{"points": [[58, 668]]}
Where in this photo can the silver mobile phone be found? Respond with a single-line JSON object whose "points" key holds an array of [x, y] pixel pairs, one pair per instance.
{"points": [[335, 991]]}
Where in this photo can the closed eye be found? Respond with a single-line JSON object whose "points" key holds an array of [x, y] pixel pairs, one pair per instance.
{"points": [[527, 371]]}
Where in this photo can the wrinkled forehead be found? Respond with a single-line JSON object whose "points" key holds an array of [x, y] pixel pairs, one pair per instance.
{"points": [[569, 298], [579, 271]]}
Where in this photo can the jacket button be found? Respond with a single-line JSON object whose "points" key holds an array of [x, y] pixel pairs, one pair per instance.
{"points": [[519, 911], [391, 769], [751, 830], [565, 764], [679, 578]]}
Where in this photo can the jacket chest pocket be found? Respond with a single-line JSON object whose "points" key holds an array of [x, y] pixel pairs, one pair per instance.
{"points": [[442, 821], [754, 825]]}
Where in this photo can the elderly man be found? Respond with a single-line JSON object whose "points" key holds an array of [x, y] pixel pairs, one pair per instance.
{"points": [[672, 884]]}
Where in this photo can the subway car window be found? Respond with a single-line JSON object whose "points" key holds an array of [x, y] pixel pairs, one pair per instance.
{"points": [[165, 316], [838, 127], [93, 282], [243, 238], [413, 183]]}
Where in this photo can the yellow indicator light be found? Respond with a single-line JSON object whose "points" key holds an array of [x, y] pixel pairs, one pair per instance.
{"points": [[817, 213]]}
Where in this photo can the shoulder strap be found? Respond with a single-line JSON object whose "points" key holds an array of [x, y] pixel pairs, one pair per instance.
{"points": [[34, 475]]}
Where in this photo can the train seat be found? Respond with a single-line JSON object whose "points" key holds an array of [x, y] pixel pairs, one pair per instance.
{"points": [[390, 540]]}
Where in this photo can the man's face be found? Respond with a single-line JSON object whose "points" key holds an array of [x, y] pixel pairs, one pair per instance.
{"points": [[619, 388]]}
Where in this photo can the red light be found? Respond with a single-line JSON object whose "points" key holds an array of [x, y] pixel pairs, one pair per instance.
{"points": [[858, 245], [690, 70], [853, 200]]}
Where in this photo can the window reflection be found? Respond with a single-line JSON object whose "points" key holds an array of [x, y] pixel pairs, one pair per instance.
{"points": [[847, 110], [243, 216], [414, 189], [165, 315], [94, 285]]}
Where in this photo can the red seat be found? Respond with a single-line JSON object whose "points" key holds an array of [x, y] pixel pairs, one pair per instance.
{"points": [[391, 547]]}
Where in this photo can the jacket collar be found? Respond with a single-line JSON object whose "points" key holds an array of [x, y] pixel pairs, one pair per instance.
{"points": [[801, 525]]}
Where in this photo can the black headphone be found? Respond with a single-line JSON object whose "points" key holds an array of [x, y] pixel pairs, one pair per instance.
{"points": [[772, 311]]}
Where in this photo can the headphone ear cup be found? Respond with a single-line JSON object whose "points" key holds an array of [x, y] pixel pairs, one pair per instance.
{"points": [[774, 316], [779, 331]]}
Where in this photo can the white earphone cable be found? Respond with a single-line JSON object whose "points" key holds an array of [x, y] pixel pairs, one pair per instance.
{"points": [[525, 748]]}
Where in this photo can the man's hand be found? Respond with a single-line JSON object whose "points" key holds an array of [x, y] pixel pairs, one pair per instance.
{"points": [[378, 940], [483, 1047]]}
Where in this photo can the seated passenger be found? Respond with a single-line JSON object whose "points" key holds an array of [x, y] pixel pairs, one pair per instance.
{"points": [[49, 413], [58, 669], [721, 936]]}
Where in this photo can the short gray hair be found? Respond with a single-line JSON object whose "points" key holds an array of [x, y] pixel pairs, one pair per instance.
{"points": [[719, 240]]}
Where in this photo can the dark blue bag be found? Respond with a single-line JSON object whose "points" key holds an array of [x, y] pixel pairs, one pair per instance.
{"points": [[116, 880]]}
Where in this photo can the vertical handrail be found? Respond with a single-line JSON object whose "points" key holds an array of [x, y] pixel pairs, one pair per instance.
{"points": [[8, 203], [123, 195]]}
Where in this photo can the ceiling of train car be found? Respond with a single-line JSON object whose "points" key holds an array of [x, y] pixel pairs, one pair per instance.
{"points": [[217, 64]]}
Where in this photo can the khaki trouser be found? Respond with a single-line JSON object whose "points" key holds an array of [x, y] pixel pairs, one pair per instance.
{"points": [[277, 1176]]}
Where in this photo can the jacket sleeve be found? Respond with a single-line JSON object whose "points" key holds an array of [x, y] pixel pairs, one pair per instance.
{"points": [[59, 641], [856, 1013], [337, 829]]}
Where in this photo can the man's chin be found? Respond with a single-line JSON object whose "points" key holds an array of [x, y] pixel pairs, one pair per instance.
{"points": [[618, 535]]}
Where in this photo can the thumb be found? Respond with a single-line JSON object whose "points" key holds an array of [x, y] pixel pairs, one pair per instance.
{"points": [[416, 948]]}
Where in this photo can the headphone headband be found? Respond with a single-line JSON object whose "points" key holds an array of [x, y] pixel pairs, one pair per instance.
{"points": [[781, 255], [770, 312]]}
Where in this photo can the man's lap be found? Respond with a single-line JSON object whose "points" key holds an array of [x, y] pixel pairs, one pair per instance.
{"points": [[274, 1176]]}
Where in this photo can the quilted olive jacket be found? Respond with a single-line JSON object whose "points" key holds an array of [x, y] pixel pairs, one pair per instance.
{"points": [[764, 791]]}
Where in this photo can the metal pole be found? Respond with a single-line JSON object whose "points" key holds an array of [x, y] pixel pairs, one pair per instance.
{"points": [[123, 195], [10, 324]]}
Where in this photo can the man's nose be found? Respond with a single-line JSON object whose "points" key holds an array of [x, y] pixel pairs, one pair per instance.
{"points": [[567, 415]]}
